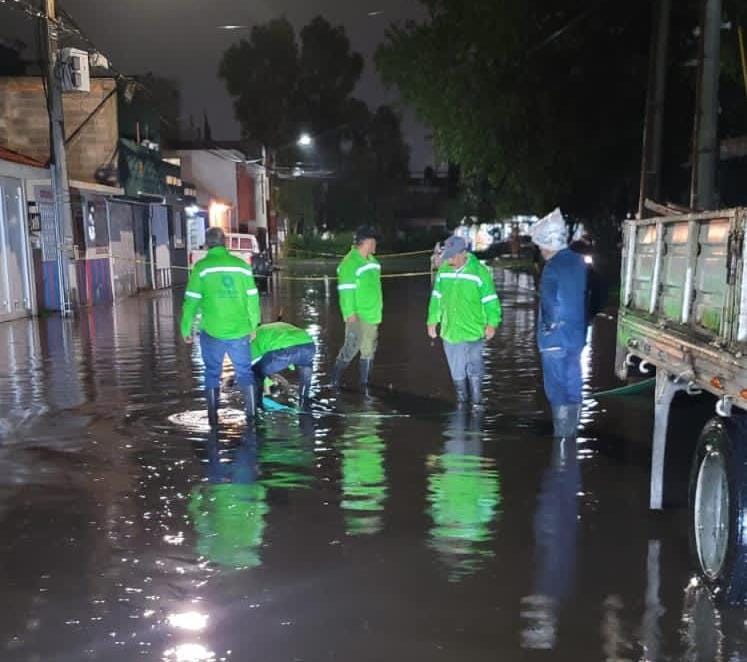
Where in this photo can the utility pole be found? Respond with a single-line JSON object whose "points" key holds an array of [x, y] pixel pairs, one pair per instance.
{"points": [[58, 163], [655, 96], [705, 133]]}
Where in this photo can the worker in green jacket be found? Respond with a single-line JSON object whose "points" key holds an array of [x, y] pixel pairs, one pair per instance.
{"points": [[277, 346], [221, 287], [465, 304], [361, 303]]}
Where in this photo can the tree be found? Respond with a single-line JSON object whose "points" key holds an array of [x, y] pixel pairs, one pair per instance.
{"points": [[373, 174], [283, 85], [262, 75], [540, 98]]}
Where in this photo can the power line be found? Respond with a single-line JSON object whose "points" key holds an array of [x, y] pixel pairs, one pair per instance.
{"points": [[32, 12]]}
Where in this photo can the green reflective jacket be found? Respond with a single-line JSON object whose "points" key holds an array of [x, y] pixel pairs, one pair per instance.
{"points": [[359, 287], [221, 287], [277, 335], [464, 301]]}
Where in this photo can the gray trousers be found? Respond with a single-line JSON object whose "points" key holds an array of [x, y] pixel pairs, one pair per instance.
{"points": [[465, 359]]}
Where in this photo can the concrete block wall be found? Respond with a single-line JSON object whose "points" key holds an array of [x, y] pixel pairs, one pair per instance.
{"points": [[24, 123]]}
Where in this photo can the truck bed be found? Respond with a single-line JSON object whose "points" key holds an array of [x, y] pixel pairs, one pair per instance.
{"points": [[683, 301]]}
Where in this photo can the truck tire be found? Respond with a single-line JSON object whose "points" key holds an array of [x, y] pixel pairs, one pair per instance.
{"points": [[718, 508]]}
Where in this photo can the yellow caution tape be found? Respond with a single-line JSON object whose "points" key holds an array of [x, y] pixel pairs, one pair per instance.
{"points": [[338, 255], [410, 274]]}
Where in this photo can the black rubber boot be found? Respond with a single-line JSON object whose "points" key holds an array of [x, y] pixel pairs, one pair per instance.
{"points": [[475, 391], [304, 387], [212, 395], [460, 386], [365, 371], [250, 403], [259, 393], [337, 371]]}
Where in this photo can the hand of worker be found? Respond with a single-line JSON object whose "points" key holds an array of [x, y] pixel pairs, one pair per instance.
{"points": [[188, 339], [432, 332], [252, 336], [352, 319], [489, 332]]}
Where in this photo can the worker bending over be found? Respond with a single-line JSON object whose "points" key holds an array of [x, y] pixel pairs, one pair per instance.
{"points": [[278, 346]]}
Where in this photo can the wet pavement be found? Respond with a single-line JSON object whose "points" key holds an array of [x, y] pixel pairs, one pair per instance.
{"points": [[392, 528]]}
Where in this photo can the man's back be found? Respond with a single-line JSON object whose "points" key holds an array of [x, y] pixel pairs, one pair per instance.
{"points": [[222, 288], [563, 301]]}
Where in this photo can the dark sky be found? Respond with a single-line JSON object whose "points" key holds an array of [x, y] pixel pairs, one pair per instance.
{"points": [[179, 39]]}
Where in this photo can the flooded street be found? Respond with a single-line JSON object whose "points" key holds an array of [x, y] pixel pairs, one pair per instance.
{"points": [[390, 528]]}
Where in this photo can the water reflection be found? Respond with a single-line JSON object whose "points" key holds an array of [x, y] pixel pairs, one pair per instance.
{"points": [[229, 509], [464, 495], [556, 539], [287, 454], [710, 633], [364, 487]]}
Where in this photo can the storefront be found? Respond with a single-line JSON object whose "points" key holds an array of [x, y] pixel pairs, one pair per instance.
{"points": [[17, 297]]}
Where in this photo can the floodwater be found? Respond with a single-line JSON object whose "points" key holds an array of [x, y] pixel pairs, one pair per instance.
{"points": [[388, 528]]}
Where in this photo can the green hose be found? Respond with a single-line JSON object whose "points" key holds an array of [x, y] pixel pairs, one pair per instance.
{"points": [[629, 389]]}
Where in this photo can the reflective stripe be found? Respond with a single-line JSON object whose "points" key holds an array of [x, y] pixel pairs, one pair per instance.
{"points": [[257, 360], [460, 276], [436, 294], [252, 292], [230, 270], [194, 295], [490, 297], [367, 267], [349, 286]]}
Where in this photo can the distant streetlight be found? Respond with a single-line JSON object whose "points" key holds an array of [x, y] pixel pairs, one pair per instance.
{"points": [[233, 27], [305, 140]]}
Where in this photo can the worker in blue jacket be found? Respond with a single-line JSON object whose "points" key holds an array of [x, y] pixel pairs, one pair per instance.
{"points": [[562, 321]]}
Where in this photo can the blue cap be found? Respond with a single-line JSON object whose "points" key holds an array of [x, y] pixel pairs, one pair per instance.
{"points": [[453, 246]]}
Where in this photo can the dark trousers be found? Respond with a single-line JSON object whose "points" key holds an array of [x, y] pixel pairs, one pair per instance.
{"points": [[238, 350], [561, 369], [279, 359]]}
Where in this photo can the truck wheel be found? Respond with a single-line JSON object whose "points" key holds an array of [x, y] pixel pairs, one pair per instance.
{"points": [[718, 508]]}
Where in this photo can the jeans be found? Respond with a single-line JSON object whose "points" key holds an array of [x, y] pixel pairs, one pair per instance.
{"points": [[465, 359], [562, 376], [279, 359], [359, 337], [239, 351]]}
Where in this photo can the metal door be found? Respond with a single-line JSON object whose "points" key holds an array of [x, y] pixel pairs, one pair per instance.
{"points": [[15, 288]]}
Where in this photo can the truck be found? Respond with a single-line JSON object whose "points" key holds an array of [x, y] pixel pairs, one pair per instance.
{"points": [[683, 311]]}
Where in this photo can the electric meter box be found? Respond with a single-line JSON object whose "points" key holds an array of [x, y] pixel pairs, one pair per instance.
{"points": [[74, 70]]}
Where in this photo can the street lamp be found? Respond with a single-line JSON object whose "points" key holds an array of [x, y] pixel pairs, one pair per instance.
{"points": [[305, 140]]}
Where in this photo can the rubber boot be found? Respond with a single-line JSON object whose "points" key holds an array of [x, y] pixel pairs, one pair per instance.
{"points": [[212, 395], [460, 386], [250, 403], [475, 391], [259, 393], [304, 387], [560, 422], [574, 415], [337, 371], [365, 371]]}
